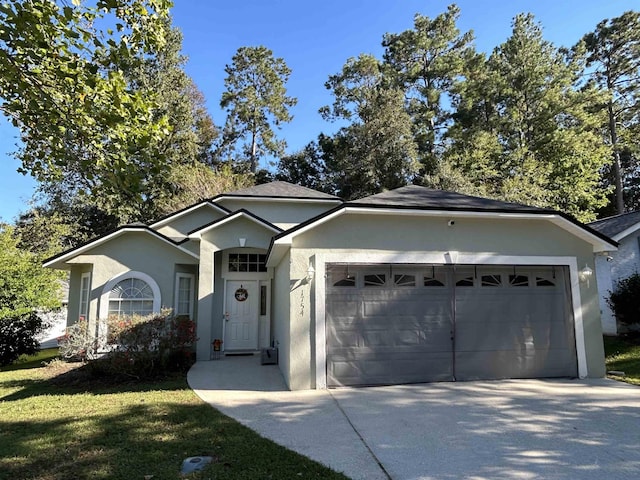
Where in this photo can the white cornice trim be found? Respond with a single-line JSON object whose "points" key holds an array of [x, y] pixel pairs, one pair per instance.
{"points": [[169, 219]]}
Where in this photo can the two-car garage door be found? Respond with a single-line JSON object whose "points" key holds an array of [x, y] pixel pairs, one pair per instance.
{"points": [[391, 324]]}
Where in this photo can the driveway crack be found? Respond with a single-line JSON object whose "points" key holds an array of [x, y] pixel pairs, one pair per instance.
{"points": [[366, 445]]}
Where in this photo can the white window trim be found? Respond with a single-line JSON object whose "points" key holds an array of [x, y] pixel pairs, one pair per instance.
{"points": [[104, 298], [364, 258], [225, 274], [88, 299], [192, 282]]}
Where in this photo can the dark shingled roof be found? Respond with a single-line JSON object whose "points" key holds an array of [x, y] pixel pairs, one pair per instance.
{"points": [[416, 196], [612, 226], [280, 190]]}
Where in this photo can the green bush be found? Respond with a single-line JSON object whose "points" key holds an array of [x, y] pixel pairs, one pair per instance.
{"points": [[18, 336], [625, 300], [137, 346]]}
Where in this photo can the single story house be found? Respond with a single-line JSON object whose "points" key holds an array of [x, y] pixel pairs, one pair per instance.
{"points": [[410, 285], [613, 266]]}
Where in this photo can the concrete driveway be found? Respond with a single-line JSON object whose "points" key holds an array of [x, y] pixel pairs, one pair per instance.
{"points": [[551, 429]]}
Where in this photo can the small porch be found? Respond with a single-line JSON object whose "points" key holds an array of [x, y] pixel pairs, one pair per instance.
{"points": [[236, 373]]}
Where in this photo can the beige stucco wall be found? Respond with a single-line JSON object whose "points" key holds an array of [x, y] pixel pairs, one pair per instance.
{"points": [[228, 235], [132, 251], [183, 224], [281, 301], [384, 234], [282, 214]]}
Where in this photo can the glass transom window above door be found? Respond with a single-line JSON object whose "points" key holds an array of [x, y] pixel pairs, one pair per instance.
{"points": [[247, 262]]}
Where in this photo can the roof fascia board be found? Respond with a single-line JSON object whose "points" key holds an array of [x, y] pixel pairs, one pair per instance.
{"points": [[197, 234], [80, 250], [185, 211], [625, 233]]}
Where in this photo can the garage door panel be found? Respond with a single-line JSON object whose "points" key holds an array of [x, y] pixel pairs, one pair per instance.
{"points": [[513, 364], [373, 368], [404, 332]]}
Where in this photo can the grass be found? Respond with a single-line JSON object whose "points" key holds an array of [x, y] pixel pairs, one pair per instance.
{"points": [[34, 361], [623, 354], [53, 427]]}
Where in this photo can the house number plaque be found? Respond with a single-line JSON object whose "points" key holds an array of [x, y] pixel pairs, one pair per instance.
{"points": [[241, 294]]}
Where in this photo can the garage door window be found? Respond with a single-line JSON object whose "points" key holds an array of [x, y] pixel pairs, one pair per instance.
{"points": [[403, 280], [544, 282], [341, 277], [491, 280], [519, 280], [375, 280], [435, 277], [464, 280]]}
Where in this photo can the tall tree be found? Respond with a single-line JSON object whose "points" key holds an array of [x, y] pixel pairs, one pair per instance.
{"points": [[376, 151], [525, 131], [255, 100], [425, 62], [60, 85], [614, 55]]}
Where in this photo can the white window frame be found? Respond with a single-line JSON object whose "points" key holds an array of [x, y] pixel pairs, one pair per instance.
{"points": [[104, 298], [85, 296], [176, 298]]}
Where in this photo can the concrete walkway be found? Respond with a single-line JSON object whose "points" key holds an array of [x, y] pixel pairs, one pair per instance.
{"points": [[308, 422], [552, 429]]}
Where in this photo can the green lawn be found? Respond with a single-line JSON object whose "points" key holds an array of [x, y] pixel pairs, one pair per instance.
{"points": [[53, 427], [34, 361], [623, 355]]}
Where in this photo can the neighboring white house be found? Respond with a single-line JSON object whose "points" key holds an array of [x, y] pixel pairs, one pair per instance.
{"points": [[614, 266], [56, 319], [410, 285]]}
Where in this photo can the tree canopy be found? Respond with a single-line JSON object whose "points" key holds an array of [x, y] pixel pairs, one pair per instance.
{"points": [[62, 88], [614, 56], [255, 100]]}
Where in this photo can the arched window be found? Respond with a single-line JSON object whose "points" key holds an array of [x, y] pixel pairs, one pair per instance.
{"points": [[131, 296], [130, 293]]}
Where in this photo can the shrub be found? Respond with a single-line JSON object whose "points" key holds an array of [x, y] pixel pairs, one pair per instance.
{"points": [[138, 346], [77, 344], [625, 300], [18, 336]]}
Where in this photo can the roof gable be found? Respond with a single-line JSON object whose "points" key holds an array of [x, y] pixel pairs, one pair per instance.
{"points": [[198, 232], [58, 260], [421, 201]]}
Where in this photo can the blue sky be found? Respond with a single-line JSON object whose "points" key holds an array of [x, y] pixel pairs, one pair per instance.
{"points": [[315, 38]]}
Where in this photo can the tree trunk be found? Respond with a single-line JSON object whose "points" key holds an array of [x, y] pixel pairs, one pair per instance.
{"points": [[254, 162], [617, 167]]}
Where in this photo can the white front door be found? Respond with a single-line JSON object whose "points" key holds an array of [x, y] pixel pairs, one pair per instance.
{"points": [[241, 315]]}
